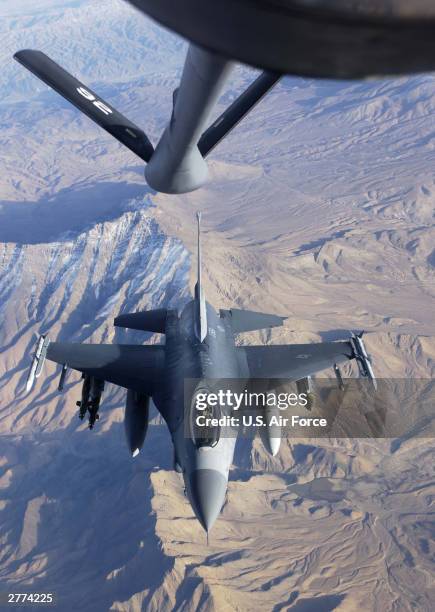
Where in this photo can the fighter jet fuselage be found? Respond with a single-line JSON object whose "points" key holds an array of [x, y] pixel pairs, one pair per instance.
{"points": [[204, 463], [199, 353]]}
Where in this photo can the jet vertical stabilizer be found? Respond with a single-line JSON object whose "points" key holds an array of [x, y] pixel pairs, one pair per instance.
{"points": [[200, 306]]}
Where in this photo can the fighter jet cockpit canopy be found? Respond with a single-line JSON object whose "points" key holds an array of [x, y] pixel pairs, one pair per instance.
{"points": [[204, 433]]}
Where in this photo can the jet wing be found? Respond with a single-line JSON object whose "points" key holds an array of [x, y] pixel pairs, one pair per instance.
{"points": [[132, 366], [295, 361]]}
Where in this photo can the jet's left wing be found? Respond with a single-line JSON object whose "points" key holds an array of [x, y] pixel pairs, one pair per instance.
{"points": [[132, 366], [295, 361]]}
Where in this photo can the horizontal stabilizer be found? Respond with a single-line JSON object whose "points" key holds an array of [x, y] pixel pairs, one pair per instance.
{"points": [[237, 111], [150, 321], [247, 320], [87, 101]]}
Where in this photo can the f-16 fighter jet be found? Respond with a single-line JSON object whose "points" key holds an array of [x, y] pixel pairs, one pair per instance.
{"points": [[199, 346], [313, 38]]}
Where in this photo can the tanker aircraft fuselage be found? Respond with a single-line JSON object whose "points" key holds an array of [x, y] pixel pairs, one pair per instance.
{"points": [[298, 37]]}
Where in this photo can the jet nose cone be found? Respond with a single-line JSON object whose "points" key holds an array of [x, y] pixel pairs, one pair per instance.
{"points": [[207, 489]]}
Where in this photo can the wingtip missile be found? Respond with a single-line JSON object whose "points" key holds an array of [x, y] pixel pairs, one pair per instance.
{"points": [[37, 361], [363, 359]]}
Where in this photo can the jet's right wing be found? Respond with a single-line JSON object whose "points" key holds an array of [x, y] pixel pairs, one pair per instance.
{"points": [[131, 366], [87, 101]]}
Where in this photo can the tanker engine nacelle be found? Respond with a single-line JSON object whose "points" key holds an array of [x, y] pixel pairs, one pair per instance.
{"points": [[136, 420]]}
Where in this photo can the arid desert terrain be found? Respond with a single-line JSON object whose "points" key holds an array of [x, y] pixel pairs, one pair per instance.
{"points": [[320, 207]]}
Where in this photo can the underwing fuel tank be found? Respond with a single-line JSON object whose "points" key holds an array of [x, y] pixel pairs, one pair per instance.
{"points": [[271, 434], [136, 420], [305, 387]]}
